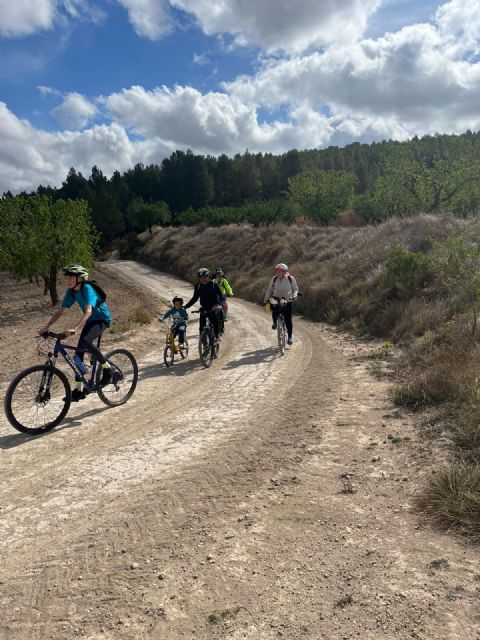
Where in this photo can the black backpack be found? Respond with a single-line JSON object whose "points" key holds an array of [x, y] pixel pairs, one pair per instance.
{"points": [[96, 287]]}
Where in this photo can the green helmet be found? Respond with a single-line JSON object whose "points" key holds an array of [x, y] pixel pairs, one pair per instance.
{"points": [[75, 270]]}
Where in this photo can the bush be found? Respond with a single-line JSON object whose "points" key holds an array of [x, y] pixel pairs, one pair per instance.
{"points": [[405, 272]]}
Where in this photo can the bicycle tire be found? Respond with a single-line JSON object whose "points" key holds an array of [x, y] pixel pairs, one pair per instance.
{"points": [[205, 349], [14, 416], [281, 331], [168, 356], [118, 393], [184, 350]]}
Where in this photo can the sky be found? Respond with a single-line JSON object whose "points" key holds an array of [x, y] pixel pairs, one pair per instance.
{"points": [[116, 82]]}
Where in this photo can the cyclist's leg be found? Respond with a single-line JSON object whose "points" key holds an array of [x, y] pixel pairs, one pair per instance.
{"points": [[274, 316], [90, 333], [203, 320], [287, 314], [180, 332], [213, 315]]}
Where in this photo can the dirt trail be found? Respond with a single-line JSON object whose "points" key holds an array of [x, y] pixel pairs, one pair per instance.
{"points": [[261, 498]]}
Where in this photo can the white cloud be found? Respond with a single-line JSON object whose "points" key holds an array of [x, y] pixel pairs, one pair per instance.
{"points": [[149, 18], [75, 112], [200, 59], [24, 17], [282, 25]]}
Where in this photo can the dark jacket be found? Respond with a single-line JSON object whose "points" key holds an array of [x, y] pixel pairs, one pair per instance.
{"points": [[209, 295]]}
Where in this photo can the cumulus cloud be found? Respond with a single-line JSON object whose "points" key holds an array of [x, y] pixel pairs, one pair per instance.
{"points": [[149, 18], [75, 112], [282, 25], [24, 17]]}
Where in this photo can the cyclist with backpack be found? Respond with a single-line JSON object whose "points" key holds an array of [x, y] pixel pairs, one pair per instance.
{"points": [[210, 296], [225, 288], [95, 319], [282, 286]]}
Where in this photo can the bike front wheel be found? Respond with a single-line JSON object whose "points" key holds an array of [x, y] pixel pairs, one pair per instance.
{"points": [[37, 399], [205, 350], [281, 334], [168, 356], [184, 349], [125, 378]]}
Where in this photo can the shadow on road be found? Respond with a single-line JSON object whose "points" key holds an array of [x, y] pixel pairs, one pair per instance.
{"points": [[254, 357], [17, 439]]}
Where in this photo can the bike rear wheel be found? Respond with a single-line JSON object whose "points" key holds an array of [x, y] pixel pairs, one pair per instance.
{"points": [[37, 399], [125, 366], [281, 334], [205, 349], [168, 356]]}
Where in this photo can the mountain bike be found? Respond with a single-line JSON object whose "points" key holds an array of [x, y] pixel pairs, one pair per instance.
{"points": [[281, 327], [173, 346], [208, 343], [38, 398]]}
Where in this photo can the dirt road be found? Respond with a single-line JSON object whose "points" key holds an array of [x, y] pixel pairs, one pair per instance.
{"points": [[265, 497]]}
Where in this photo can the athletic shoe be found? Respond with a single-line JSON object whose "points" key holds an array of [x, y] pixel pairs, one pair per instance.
{"points": [[110, 376], [225, 318], [78, 395], [290, 341], [274, 326]]}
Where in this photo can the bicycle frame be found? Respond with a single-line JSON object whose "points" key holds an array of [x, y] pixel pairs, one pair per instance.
{"points": [[62, 350]]}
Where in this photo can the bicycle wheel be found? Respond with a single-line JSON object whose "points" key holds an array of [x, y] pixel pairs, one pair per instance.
{"points": [[281, 333], [205, 349], [184, 349], [37, 399], [125, 378], [216, 349], [168, 355]]}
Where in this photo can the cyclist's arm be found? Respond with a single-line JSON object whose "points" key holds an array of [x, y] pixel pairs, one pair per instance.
{"points": [[55, 316], [294, 287], [79, 326], [218, 293], [184, 313], [228, 288], [195, 297], [268, 292], [167, 314]]}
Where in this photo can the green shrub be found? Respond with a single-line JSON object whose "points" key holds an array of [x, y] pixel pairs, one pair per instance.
{"points": [[405, 271]]}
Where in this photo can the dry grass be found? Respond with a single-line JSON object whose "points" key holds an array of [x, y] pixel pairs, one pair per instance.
{"points": [[452, 499]]}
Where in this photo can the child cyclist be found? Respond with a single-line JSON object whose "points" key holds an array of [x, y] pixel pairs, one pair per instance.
{"points": [[179, 316]]}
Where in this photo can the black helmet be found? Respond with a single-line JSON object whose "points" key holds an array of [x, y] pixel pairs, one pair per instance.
{"points": [[219, 271], [177, 299], [203, 272]]}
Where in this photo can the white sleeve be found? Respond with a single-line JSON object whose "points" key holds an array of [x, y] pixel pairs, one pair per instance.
{"points": [[269, 291], [294, 287]]}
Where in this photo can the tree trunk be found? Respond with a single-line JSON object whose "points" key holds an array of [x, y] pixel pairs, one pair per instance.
{"points": [[45, 284], [52, 284]]}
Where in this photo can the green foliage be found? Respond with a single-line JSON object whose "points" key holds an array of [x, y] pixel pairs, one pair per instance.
{"points": [[40, 236], [142, 215], [458, 263], [405, 271], [322, 195], [256, 213]]}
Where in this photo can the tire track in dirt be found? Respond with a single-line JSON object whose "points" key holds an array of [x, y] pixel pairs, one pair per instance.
{"points": [[252, 536]]}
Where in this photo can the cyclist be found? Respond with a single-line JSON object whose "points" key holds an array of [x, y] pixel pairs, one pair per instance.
{"points": [[95, 319], [225, 288], [210, 297], [282, 285], [179, 316]]}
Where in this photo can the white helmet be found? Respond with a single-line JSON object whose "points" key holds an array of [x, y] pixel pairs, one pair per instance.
{"points": [[282, 266]]}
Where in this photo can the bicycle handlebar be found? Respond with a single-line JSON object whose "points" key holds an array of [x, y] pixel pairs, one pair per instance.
{"points": [[51, 334]]}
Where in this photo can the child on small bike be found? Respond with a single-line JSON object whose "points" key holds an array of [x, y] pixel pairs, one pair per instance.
{"points": [[179, 316]]}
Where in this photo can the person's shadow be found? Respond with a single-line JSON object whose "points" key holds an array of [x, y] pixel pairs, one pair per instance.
{"points": [[17, 439], [254, 357]]}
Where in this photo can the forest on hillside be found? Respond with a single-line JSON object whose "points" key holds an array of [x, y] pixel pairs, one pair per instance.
{"points": [[430, 174]]}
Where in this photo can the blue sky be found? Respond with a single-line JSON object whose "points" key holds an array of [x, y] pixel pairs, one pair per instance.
{"points": [[115, 82]]}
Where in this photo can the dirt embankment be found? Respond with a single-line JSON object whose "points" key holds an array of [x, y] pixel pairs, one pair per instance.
{"points": [[264, 497]]}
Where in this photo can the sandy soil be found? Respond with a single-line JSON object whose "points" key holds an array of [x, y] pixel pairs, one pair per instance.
{"points": [[265, 497]]}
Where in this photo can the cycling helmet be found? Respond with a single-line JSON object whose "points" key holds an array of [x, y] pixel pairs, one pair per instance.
{"points": [[219, 272], [75, 270], [177, 299], [282, 266], [203, 272]]}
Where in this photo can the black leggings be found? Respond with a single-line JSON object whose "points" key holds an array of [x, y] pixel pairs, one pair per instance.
{"points": [[213, 315], [287, 314], [90, 332]]}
